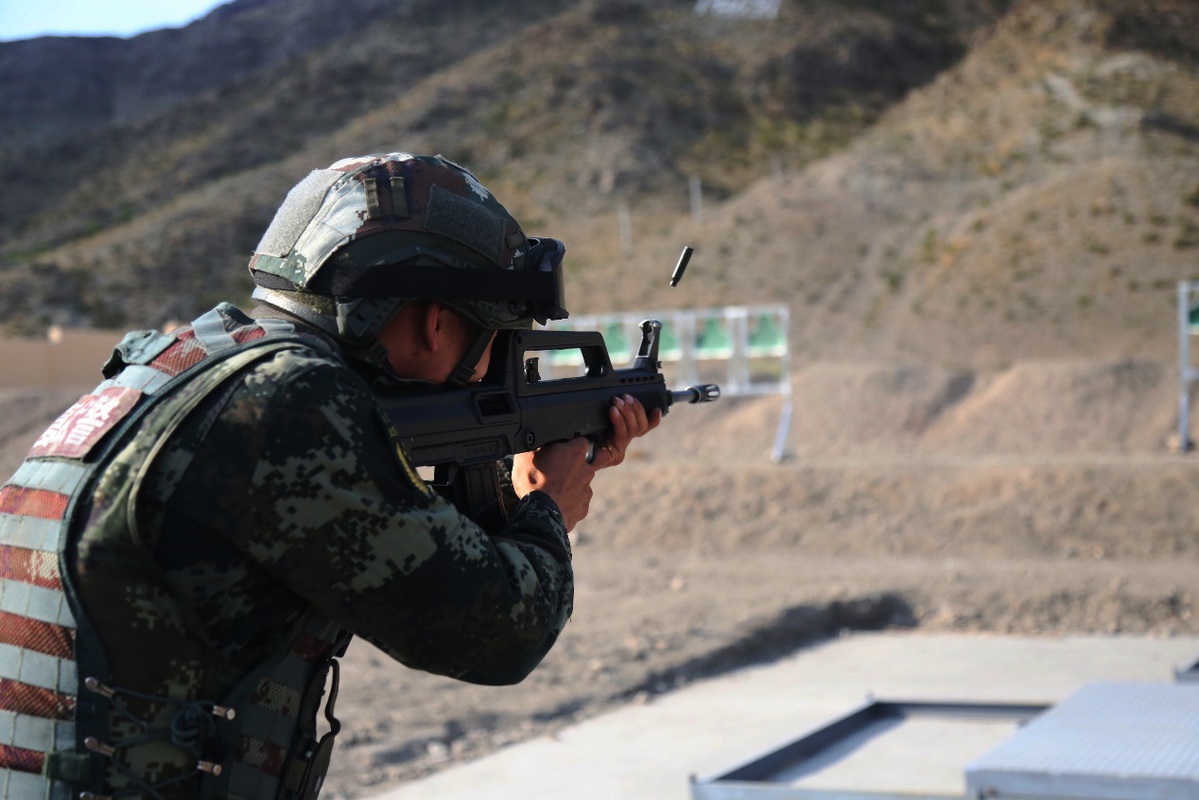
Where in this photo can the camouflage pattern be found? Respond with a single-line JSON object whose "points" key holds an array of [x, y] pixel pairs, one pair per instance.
{"points": [[254, 512], [367, 195], [317, 497], [386, 209]]}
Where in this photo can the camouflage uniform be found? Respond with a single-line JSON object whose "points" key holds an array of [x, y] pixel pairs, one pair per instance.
{"points": [[205, 544]]}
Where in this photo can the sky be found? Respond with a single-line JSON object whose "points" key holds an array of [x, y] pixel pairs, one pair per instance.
{"points": [[24, 19]]}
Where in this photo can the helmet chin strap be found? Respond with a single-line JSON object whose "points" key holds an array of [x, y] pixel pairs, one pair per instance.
{"points": [[374, 355], [470, 359]]}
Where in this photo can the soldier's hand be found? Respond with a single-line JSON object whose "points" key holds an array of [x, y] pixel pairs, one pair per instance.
{"points": [[629, 421], [561, 471]]}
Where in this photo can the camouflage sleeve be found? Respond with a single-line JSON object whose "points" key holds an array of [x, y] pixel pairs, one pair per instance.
{"points": [[313, 491]]}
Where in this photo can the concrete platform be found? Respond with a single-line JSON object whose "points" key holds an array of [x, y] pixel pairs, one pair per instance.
{"points": [[649, 751]]}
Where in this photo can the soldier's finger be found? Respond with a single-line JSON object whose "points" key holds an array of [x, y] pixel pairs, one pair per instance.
{"points": [[640, 421]]}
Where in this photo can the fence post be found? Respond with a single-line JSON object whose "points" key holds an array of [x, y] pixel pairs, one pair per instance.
{"points": [[1186, 373], [697, 199], [626, 229]]}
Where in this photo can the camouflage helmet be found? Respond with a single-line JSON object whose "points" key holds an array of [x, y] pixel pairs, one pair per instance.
{"points": [[353, 243]]}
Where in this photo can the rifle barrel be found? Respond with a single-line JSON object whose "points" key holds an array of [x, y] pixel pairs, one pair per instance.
{"points": [[704, 393]]}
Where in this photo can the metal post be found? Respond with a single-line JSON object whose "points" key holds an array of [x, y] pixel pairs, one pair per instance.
{"points": [[626, 229], [780, 438], [779, 451], [688, 366], [737, 321], [697, 199], [1184, 365]]}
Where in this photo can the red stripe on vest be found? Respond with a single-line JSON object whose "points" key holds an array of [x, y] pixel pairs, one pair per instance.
{"points": [[312, 649], [248, 334], [277, 698], [38, 503], [35, 701], [20, 759], [184, 353], [29, 566], [264, 756], [32, 634]]}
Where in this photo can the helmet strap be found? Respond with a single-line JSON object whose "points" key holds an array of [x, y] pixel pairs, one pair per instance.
{"points": [[467, 366]]}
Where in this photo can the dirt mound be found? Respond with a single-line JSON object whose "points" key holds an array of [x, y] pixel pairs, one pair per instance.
{"points": [[854, 410], [1064, 407], [849, 409], [934, 508]]}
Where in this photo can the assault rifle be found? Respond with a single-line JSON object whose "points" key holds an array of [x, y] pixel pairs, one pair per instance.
{"points": [[462, 432]]}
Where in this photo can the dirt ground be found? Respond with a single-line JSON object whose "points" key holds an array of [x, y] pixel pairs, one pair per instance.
{"points": [[1039, 500]]}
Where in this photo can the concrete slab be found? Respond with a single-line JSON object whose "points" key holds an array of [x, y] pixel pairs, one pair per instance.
{"points": [[649, 751]]}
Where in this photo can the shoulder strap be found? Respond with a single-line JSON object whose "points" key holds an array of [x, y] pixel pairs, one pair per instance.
{"points": [[231, 364], [210, 331]]}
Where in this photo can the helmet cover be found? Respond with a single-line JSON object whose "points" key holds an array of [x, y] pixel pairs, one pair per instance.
{"points": [[352, 243]]}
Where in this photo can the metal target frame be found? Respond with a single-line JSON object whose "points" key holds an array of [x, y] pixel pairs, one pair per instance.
{"points": [[745, 349]]}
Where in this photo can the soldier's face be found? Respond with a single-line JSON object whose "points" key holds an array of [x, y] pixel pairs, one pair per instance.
{"points": [[427, 341]]}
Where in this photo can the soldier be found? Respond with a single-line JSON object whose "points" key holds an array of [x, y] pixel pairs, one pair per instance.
{"points": [[187, 550]]}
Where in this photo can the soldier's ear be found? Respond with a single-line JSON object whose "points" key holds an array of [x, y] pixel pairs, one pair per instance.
{"points": [[447, 329], [438, 328]]}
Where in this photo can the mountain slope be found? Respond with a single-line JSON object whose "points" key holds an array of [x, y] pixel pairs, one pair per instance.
{"points": [[917, 182], [575, 109], [58, 89], [1041, 199]]}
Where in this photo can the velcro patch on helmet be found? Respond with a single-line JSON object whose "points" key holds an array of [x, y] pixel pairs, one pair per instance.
{"points": [[465, 222], [302, 204]]}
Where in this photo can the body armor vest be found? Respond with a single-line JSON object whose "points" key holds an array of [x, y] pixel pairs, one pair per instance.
{"points": [[70, 730]]}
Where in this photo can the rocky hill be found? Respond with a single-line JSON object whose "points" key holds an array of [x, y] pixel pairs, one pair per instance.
{"points": [[58, 90], [1040, 199], [963, 183], [977, 212], [573, 103]]}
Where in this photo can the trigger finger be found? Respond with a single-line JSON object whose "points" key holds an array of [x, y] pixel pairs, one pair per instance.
{"points": [[620, 415], [640, 418]]}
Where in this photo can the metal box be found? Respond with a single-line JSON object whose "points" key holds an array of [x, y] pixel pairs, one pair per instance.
{"points": [[1113, 741], [883, 749]]}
